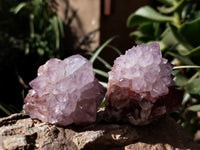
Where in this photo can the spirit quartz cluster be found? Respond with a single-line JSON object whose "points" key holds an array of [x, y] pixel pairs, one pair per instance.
{"points": [[65, 92], [140, 87]]}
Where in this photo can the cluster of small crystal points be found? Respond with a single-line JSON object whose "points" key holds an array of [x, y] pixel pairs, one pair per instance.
{"points": [[149, 73], [65, 92], [138, 83]]}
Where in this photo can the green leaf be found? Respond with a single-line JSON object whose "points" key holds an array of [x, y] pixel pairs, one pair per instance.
{"points": [[27, 49], [156, 27], [193, 87], [138, 34], [194, 76], [195, 14], [183, 59], [162, 46], [4, 109], [146, 14], [98, 51], [60, 25], [54, 24], [179, 37], [172, 9], [103, 103], [37, 3], [106, 64], [167, 2], [100, 72], [16, 9], [168, 38], [146, 30], [180, 79], [104, 84], [171, 42], [194, 108], [40, 51], [194, 54], [190, 31], [115, 49]]}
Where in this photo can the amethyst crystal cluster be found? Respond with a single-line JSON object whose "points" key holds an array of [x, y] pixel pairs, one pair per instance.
{"points": [[140, 86], [65, 92], [140, 89]]}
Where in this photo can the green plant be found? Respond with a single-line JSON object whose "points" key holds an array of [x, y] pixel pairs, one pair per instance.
{"points": [[95, 56], [30, 33], [45, 27], [175, 25]]}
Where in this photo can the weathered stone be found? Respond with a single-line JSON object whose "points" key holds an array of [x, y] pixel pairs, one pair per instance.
{"points": [[21, 132]]}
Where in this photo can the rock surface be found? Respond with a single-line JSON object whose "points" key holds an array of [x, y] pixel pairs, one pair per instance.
{"points": [[18, 131]]}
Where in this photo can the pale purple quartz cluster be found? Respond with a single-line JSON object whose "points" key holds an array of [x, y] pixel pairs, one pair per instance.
{"points": [[139, 83], [65, 92]]}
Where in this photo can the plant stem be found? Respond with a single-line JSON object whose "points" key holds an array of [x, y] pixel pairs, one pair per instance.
{"points": [[193, 77], [180, 67], [100, 72]]}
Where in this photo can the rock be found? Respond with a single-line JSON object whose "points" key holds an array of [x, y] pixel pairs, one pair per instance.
{"points": [[18, 131]]}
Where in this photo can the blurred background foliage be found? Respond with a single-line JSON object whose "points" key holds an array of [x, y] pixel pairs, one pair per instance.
{"points": [[176, 25], [31, 33]]}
